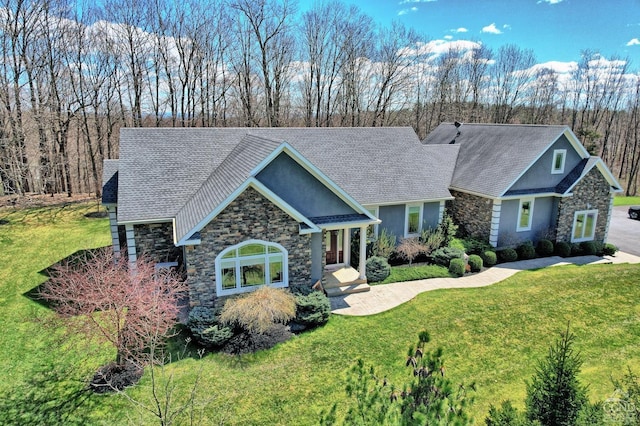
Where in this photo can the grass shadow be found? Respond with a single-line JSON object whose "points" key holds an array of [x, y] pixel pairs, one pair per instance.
{"points": [[52, 395]]}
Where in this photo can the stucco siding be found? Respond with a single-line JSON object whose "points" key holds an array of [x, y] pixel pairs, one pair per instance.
{"points": [[291, 182], [539, 174]]}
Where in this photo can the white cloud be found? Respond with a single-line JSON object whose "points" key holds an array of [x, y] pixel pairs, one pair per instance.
{"points": [[633, 42], [416, 1], [459, 30], [557, 66], [448, 37], [405, 11], [491, 29], [550, 1]]}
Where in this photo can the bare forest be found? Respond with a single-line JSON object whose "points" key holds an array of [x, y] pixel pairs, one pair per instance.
{"points": [[74, 73]]}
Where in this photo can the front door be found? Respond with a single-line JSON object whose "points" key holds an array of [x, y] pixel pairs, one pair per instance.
{"points": [[333, 240]]}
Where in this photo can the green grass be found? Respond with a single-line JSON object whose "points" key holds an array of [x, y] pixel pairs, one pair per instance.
{"points": [[626, 201], [493, 335], [414, 272]]}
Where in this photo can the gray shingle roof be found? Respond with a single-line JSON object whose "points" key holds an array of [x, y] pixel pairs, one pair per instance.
{"points": [[110, 182], [168, 172], [492, 156]]}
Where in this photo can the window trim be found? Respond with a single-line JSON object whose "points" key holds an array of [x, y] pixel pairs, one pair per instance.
{"points": [[575, 222], [237, 260], [559, 170], [375, 211], [406, 219], [531, 202]]}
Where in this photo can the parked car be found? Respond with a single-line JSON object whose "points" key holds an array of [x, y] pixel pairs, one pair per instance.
{"points": [[634, 212]]}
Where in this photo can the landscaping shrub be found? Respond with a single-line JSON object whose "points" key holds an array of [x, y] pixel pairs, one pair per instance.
{"points": [[563, 249], [377, 269], [448, 229], [312, 310], [203, 324], [251, 341], [576, 249], [508, 255], [115, 377], [589, 247], [383, 246], [475, 246], [443, 255], [526, 251], [259, 310], [544, 248], [489, 258], [457, 267], [609, 249], [475, 263], [410, 248], [432, 239]]}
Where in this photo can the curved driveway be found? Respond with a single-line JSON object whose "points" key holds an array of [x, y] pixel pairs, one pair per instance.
{"points": [[624, 232]]}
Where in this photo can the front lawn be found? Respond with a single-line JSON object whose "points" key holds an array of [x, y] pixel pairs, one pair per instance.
{"points": [[626, 201], [492, 335]]}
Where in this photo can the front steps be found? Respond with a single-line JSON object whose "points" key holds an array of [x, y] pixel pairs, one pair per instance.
{"points": [[343, 280]]}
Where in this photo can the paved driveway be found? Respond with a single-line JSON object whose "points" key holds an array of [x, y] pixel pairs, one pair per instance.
{"points": [[624, 232]]}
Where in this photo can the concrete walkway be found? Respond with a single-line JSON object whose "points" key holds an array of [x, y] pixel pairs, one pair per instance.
{"points": [[384, 297]]}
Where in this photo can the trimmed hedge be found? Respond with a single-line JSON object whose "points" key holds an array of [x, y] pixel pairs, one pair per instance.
{"points": [[378, 269], [544, 248], [563, 249], [526, 251], [489, 258], [475, 262], [609, 249], [312, 310], [457, 267], [507, 255], [444, 255], [589, 247]]}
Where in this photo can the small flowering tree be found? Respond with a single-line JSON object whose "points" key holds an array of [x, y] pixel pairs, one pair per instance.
{"points": [[100, 296]]}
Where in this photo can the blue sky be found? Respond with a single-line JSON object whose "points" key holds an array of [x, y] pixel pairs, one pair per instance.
{"points": [[556, 30]]}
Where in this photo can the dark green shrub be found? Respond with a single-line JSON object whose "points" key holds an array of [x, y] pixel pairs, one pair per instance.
{"points": [[507, 255], [443, 255], [377, 269], [115, 377], [475, 246], [576, 249], [609, 249], [489, 258], [448, 229], [252, 341], [526, 251], [312, 310], [544, 248], [475, 262], [203, 323], [457, 267], [589, 247], [563, 249]]}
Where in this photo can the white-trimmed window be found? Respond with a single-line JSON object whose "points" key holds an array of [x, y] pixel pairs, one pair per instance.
{"points": [[559, 157], [249, 265], [372, 230], [413, 220], [525, 215], [584, 226]]}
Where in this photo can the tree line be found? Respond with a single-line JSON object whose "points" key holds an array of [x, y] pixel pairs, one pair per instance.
{"points": [[74, 73]]}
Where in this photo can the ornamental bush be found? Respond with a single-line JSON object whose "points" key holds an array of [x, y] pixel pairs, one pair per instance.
{"points": [[589, 247], [475, 263], [203, 323], [312, 310], [508, 255], [457, 267], [526, 251], [489, 258], [563, 249], [444, 255], [609, 249], [260, 310], [377, 269], [544, 248]]}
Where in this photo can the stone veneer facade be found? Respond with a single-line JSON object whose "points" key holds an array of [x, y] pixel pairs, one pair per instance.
{"points": [[156, 241], [249, 216], [592, 190], [471, 213]]}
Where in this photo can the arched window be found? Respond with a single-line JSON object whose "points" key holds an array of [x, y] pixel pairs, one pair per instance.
{"points": [[249, 265]]}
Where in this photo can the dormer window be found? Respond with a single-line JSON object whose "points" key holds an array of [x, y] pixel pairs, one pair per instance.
{"points": [[559, 155]]}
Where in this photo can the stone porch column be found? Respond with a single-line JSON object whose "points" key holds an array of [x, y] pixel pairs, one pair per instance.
{"points": [[362, 266]]}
